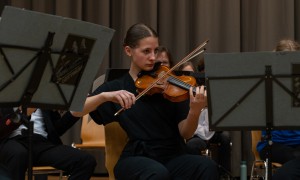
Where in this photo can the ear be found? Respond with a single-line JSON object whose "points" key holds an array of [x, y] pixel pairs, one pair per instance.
{"points": [[128, 50]]}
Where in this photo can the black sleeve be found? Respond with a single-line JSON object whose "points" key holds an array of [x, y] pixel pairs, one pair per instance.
{"points": [[104, 113], [64, 122]]}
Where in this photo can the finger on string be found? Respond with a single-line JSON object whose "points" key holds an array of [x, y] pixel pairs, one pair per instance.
{"points": [[191, 92], [202, 90], [198, 91]]}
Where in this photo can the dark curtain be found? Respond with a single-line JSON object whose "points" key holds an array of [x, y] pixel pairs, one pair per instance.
{"points": [[230, 26]]}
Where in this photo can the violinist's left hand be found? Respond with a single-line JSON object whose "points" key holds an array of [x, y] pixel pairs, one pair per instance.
{"points": [[198, 100]]}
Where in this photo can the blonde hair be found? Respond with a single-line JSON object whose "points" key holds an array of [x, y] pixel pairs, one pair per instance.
{"points": [[287, 45]]}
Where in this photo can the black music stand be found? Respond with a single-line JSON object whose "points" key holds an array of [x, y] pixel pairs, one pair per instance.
{"points": [[48, 61], [248, 91]]}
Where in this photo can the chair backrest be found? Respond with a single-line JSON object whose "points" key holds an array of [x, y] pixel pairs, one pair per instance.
{"points": [[91, 133], [256, 137], [115, 138]]}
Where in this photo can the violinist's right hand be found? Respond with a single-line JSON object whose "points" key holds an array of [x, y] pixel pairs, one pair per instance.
{"points": [[124, 98]]}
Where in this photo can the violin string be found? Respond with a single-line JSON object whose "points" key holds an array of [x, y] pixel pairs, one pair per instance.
{"points": [[187, 86], [180, 82]]}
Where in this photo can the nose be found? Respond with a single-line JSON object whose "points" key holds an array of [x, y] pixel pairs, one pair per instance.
{"points": [[153, 56]]}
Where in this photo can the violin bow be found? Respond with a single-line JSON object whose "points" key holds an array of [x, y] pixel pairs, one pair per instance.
{"points": [[197, 51]]}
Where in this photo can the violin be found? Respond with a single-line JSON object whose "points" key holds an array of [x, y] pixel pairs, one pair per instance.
{"points": [[174, 88], [165, 76]]}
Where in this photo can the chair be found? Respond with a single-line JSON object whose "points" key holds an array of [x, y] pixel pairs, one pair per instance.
{"points": [[36, 170], [92, 134], [115, 138], [93, 141], [258, 170]]}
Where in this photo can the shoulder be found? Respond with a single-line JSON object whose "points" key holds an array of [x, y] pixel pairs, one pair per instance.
{"points": [[113, 85]]}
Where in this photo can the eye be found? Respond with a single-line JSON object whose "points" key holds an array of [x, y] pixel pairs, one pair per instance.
{"points": [[147, 51]]}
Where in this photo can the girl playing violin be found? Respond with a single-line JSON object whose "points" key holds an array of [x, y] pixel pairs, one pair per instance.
{"points": [[156, 127]]}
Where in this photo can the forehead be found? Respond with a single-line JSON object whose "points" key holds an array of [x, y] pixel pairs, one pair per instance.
{"points": [[162, 55], [150, 42]]}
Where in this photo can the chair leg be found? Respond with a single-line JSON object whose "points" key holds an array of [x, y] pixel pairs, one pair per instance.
{"points": [[258, 170], [60, 175], [252, 171]]}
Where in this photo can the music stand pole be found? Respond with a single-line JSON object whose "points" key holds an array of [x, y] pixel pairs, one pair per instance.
{"points": [[269, 118], [30, 126]]}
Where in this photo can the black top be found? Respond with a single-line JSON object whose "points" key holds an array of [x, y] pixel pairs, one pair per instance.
{"points": [[151, 124], [56, 125]]}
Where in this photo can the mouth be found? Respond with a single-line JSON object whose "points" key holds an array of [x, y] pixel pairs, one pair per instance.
{"points": [[150, 65]]}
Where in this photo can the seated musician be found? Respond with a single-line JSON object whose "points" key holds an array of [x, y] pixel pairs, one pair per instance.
{"points": [[156, 127]]}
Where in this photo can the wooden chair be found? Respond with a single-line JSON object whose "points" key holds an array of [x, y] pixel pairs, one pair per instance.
{"points": [[36, 170], [258, 170], [111, 137], [93, 141], [92, 134], [115, 138]]}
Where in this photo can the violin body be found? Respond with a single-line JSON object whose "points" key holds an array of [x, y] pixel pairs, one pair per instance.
{"points": [[174, 88]]}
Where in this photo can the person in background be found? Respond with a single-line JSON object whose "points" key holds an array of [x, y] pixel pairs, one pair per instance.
{"points": [[156, 127], [47, 149], [187, 66], [164, 56], [201, 66], [288, 171], [203, 137], [287, 45], [285, 147], [286, 143]]}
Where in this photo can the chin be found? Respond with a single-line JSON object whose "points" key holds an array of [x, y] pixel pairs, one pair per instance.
{"points": [[148, 68]]}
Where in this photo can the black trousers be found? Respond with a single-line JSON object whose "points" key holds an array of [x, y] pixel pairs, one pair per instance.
{"points": [[289, 171], [4, 173], [196, 145], [183, 167], [281, 153], [14, 155]]}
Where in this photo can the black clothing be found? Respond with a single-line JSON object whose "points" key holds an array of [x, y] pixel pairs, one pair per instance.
{"points": [[289, 171], [47, 151], [196, 145], [6, 128], [152, 127], [4, 173], [290, 152]]}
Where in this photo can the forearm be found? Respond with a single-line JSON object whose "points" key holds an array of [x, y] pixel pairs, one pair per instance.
{"points": [[122, 97], [90, 105], [188, 126]]}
